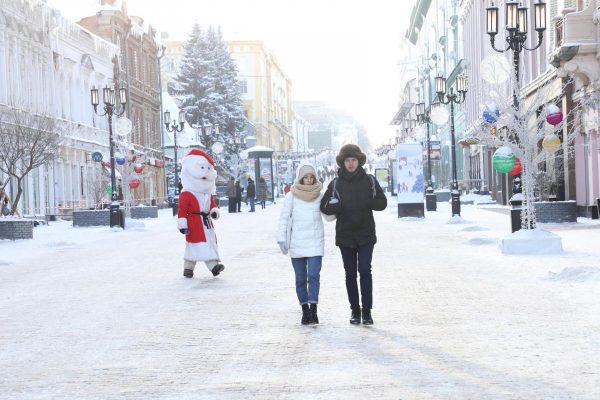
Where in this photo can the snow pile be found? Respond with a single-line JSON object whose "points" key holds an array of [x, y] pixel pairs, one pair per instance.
{"points": [[531, 241], [576, 274]]}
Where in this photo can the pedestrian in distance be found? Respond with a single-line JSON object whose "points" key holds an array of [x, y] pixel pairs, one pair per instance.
{"points": [[352, 197], [231, 195], [238, 196], [301, 235], [251, 193], [261, 192]]}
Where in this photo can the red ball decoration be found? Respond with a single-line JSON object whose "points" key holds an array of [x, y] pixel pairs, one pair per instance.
{"points": [[518, 168], [138, 168], [134, 183], [553, 114]]}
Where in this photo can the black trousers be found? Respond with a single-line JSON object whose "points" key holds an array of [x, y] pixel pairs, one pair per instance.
{"points": [[357, 260]]}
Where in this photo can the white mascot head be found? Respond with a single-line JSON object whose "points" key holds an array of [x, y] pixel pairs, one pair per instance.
{"points": [[198, 172]]}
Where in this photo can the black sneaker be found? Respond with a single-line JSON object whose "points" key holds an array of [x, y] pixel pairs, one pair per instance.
{"points": [[188, 273], [366, 316], [217, 269], [355, 316]]}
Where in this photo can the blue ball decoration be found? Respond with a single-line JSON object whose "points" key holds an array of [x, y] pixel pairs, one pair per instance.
{"points": [[120, 159], [491, 116]]}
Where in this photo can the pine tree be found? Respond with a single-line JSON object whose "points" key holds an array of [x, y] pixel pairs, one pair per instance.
{"points": [[208, 91]]}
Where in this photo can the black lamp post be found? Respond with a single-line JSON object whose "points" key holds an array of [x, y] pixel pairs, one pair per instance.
{"points": [[117, 108], [424, 117], [516, 26], [175, 127], [452, 98]]}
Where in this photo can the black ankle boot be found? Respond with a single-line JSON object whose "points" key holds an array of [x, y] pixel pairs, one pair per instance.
{"points": [[314, 319], [366, 316], [355, 316], [305, 315]]}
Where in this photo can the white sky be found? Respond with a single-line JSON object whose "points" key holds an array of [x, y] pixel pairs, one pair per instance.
{"points": [[340, 51]]}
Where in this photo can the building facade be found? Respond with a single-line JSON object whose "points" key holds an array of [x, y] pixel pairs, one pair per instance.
{"points": [[138, 71], [48, 66], [266, 94]]}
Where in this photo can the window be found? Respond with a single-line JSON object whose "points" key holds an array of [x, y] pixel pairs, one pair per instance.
{"points": [[243, 87]]}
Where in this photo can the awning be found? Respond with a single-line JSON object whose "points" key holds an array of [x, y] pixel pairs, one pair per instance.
{"points": [[117, 173], [402, 113]]}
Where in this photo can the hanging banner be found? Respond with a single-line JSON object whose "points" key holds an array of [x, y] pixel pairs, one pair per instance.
{"points": [[410, 186]]}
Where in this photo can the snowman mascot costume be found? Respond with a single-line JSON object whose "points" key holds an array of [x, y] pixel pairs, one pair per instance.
{"points": [[197, 209]]}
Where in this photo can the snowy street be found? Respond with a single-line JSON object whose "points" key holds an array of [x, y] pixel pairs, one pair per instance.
{"points": [[88, 313]]}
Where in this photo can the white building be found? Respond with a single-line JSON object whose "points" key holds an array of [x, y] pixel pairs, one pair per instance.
{"points": [[48, 66]]}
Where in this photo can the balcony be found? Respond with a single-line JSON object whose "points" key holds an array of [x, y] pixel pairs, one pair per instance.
{"points": [[577, 45]]}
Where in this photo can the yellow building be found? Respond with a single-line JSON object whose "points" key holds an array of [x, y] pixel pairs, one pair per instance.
{"points": [[266, 93]]}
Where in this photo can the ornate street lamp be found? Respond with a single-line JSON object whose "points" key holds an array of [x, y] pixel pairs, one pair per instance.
{"points": [[452, 99], [516, 27], [424, 117], [175, 127], [117, 108]]}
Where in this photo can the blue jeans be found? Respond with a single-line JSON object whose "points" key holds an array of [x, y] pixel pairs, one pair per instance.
{"points": [[308, 270], [251, 200], [358, 260]]}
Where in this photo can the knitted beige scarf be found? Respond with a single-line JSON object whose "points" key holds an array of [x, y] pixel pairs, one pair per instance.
{"points": [[306, 192]]}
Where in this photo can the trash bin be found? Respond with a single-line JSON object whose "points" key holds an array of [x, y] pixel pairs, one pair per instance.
{"points": [[431, 201], [515, 215], [175, 205], [117, 216], [153, 202]]}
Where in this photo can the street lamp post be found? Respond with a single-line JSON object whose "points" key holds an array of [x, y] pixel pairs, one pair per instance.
{"points": [[516, 26], [424, 117], [117, 108], [175, 127], [452, 98]]}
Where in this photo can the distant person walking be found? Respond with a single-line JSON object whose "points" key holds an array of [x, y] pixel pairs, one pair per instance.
{"points": [[251, 193], [261, 192], [231, 194], [238, 195], [301, 234], [355, 197]]}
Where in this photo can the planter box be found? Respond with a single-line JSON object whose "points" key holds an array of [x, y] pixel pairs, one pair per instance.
{"points": [[555, 211], [91, 218], [15, 229], [144, 212]]}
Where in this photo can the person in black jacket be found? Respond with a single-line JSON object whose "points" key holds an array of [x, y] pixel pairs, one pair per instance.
{"points": [[238, 196], [355, 197], [251, 193]]}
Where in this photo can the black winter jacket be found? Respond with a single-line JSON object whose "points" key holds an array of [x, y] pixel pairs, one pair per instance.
{"points": [[251, 190], [355, 225]]}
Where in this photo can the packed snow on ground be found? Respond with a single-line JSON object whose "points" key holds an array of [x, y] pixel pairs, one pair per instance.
{"points": [[95, 313]]}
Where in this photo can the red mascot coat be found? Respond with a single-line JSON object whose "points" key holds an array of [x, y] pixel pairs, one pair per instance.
{"points": [[189, 208]]}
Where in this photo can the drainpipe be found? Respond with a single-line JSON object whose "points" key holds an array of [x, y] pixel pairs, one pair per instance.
{"points": [[162, 132], [125, 41]]}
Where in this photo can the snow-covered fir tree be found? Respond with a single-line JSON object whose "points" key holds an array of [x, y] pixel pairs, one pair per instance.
{"points": [[208, 90]]}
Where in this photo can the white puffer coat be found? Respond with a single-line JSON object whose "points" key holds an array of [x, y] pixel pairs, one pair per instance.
{"points": [[307, 233]]}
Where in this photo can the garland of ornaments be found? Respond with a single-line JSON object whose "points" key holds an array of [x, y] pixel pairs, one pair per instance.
{"points": [[504, 160]]}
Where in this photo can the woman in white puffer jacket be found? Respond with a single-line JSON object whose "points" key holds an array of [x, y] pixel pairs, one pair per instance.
{"points": [[301, 234]]}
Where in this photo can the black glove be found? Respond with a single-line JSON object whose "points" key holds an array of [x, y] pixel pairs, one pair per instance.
{"points": [[213, 215], [184, 231]]}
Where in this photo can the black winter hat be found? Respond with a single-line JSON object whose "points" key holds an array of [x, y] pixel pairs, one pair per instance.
{"points": [[350, 150]]}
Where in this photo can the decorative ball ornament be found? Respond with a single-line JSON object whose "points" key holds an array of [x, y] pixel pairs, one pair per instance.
{"points": [[138, 168], [551, 143], [553, 115], [517, 169], [119, 159], [503, 159], [491, 114], [134, 183]]}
